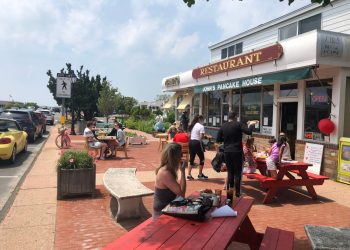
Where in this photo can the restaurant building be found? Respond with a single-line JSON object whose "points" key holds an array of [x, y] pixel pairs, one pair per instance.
{"points": [[288, 73]]}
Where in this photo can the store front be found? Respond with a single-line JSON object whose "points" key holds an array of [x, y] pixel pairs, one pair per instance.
{"points": [[286, 93]]}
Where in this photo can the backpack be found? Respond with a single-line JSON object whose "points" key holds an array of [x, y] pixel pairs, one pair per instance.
{"points": [[217, 161]]}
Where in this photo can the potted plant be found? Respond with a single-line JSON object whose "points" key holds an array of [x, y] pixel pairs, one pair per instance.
{"points": [[76, 174]]}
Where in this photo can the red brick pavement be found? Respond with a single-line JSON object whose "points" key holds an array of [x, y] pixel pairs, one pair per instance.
{"points": [[86, 223]]}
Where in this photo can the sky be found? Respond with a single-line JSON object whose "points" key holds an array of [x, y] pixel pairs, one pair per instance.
{"points": [[134, 43]]}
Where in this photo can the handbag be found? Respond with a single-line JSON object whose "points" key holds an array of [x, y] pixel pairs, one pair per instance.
{"points": [[192, 209]]}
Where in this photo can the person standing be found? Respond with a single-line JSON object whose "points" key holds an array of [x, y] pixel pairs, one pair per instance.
{"points": [[166, 187], [184, 121], [230, 134], [286, 150], [196, 146]]}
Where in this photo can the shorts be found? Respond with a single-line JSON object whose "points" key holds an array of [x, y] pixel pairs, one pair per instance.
{"points": [[95, 144], [270, 164]]}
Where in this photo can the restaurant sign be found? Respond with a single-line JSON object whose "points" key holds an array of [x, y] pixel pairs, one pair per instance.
{"points": [[172, 82], [256, 57], [285, 76]]}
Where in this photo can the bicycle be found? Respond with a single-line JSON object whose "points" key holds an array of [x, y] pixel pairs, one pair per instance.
{"points": [[62, 140]]}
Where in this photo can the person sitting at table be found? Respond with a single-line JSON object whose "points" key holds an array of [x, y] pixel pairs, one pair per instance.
{"points": [[286, 151], [167, 187], [275, 155], [249, 165], [118, 132], [172, 131], [159, 127], [92, 141], [181, 136]]}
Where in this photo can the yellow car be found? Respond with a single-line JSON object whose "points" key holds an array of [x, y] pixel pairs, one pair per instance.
{"points": [[12, 139]]}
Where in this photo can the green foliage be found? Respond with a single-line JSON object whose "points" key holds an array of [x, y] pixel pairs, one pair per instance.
{"points": [[141, 125], [170, 116], [75, 160], [324, 3], [141, 113], [85, 91], [108, 99]]}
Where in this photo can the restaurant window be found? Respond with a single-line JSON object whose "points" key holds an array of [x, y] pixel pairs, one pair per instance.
{"points": [[214, 109], [288, 31], [205, 108], [231, 50], [236, 100], [239, 48], [267, 102], [224, 53], [310, 23], [225, 106], [251, 105], [195, 105], [317, 106], [289, 90]]}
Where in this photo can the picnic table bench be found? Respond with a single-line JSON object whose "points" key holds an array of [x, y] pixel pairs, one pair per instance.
{"points": [[285, 170], [214, 233], [126, 190]]}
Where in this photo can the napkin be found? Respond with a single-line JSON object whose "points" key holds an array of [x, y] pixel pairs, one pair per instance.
{"points": [[224, 211]]}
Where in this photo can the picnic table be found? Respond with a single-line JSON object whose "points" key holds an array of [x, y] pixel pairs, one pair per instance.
{"points": [[111, 143], [163, 139], [168, 232], [287, 169]]}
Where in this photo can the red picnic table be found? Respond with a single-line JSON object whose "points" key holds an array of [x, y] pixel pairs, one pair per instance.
{"points": [[285, 169], [168, 232]]}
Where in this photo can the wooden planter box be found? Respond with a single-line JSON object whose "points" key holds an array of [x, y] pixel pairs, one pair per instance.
{"points": [[137, 140], [72, 182]]}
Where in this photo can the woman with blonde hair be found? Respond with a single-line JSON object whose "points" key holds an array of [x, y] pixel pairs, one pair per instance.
{"points": [[166, 187]]}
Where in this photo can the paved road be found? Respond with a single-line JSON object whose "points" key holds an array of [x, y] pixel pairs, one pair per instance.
{"points": [[11, 175]]}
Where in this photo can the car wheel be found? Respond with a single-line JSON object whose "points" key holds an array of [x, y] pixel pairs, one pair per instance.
{"points": [[33, 137], [13, 155], [41, 133], [25, 148]]}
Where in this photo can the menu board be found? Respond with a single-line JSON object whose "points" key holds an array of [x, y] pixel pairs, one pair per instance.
{"points": [[313, 155]]}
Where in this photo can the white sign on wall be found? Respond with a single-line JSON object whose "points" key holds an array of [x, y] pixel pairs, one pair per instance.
{"points": [[313, 155], [266, 130]]}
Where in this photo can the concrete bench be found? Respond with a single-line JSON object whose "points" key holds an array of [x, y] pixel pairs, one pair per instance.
{"points": [[277, 239], [126, 191]]}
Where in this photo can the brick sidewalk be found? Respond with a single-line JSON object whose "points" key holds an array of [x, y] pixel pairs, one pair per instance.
{"points": [[38, 221]]}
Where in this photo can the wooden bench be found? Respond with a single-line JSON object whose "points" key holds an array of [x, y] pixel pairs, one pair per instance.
{"points": [[319, 179], [277, 239], [126, 191]]}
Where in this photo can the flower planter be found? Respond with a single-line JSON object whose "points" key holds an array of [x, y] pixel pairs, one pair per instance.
{"points": [[73, 182], [137, 140]]}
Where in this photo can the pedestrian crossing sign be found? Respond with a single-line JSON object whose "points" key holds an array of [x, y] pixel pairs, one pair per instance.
{"points": [[63, 87]]}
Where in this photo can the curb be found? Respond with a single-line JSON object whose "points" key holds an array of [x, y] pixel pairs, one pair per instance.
{"points": [[11, 199]]}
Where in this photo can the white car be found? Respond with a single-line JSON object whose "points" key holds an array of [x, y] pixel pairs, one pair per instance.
{"points": [[50, 119]]}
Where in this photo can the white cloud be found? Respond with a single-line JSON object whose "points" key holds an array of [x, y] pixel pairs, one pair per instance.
{"points": [[183, 45]]}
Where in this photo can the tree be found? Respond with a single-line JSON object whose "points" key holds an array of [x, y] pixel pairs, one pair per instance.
{"points": [[127, 103], [108, 99], [85, 92], [323, 2]]}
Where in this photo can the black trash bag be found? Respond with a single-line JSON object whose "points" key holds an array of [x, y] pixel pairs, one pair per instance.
{"points": [[217, 161]]}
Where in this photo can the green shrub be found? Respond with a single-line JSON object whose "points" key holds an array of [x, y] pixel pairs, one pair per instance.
{"points": [[75, 160]]}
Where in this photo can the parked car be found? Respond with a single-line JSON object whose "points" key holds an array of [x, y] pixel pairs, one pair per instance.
{"points": [[42, 119], [13, 139], [50, 118], [28, 121]]}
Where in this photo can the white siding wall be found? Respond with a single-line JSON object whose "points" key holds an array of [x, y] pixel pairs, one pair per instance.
{"points": [[336, 19]]}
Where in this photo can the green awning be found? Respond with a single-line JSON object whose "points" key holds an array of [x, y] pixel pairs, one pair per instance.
{"points": [[284, 76]]}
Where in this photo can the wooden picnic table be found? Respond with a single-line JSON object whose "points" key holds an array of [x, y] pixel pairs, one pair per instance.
{"points": [[163, 139], [286, 169], [168, 232]]}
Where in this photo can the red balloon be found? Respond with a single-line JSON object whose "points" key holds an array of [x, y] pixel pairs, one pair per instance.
{"points": [[326, 126]]}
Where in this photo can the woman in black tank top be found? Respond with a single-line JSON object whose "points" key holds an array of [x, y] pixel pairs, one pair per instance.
{"points": [[166, 187]]}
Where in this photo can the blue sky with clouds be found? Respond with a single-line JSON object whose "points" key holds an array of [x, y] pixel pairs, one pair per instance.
{"points": [[134, 43]]}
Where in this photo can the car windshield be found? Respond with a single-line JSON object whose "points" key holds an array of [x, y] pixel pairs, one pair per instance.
{"points": [[17, 115], [8, 126]]}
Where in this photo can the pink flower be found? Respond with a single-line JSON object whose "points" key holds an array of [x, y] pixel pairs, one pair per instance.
{"points": [[61, 152], [92, 154], [71, 160]]}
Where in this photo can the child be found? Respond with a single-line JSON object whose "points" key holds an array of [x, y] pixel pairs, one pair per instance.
{"points": [[275, 156], [249, 165]]}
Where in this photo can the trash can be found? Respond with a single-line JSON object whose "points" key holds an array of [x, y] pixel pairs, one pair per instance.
{"points": [[81, 124]]}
